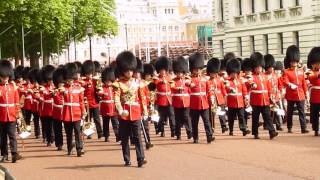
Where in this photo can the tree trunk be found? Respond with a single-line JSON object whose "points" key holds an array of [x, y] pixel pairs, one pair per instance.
{"points": [[16, 52], [34, 60]]}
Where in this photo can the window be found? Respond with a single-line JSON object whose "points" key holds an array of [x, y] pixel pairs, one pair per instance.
{"points": [[239, 45], [221, 10], [266, 5], [296, 39], [221, 48], [170, 28], [252, 7], [297, 3], [165, 11], [252, 44], [266, 43], [240, 7], [281, 4], [164, 28], [176, 28], [280, 43], [172, 11]]}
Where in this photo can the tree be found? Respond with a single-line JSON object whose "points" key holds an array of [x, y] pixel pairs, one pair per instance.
{"points": [[54, 20]]}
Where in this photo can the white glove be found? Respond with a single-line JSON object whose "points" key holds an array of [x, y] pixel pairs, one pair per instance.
{"points": [[293, 86], [145, 118], [124, 113], [254, 85]]}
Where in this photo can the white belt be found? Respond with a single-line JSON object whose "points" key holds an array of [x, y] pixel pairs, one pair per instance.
{"points": [[28, 97], [48, 101], [164, 93], [71, 104], [132, 104], [198, 94], [259, 91], [315, 87], [180, 95], [107, 101], [235, 94], [7, 105], [57, 106]]}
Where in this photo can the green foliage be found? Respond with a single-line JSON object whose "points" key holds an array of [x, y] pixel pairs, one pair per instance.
{"points": [[55, 19]]}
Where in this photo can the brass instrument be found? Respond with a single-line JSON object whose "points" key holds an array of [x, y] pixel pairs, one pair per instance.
{"points": [[88, 125], [152, 111]]}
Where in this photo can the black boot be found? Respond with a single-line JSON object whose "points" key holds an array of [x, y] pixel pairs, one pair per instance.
{"points": [[273, 134], [196, 141], [316, 133], [290, 130], [128, 163], [141, 163], [59, 148], [245, 132], [210, 139], [80, 153], [106, 139], [163, 134], [16, 157], [149, 145], [304, 131], [256, 136], [230, 133], [224, 129], [4, 158]]}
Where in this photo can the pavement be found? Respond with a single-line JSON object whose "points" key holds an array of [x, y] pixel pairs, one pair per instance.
{"points": [[289, 156]]}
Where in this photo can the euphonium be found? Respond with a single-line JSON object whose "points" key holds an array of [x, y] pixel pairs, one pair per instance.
{"points": [[214, 105]]}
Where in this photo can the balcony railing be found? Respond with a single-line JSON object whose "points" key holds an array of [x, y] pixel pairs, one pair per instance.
{"points": [[295, 11], [239, 19], [251, 18], [265, 15], [279, 13]]}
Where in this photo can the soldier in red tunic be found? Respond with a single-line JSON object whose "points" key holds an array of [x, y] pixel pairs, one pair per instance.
{"points": [[90, 92], [107, 106], [216, 93], [260, 93], [164, 99], [237, 97], [58, 81], [275, 90], [27, 96], [199, 105], [35, 102], [9, 111], [73, 108], [296, 87], [47, 107], [129, 101], [181, 97], [314, 78]]}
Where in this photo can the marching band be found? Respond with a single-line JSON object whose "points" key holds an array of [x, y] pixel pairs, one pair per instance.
{"points": [[133, 95]]}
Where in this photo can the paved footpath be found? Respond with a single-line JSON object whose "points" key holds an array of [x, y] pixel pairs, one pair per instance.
{"points": [[289, 156]]}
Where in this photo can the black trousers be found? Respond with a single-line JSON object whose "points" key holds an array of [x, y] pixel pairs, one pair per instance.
{"points": [[49, 129], [314, 116], [232, 114], [75, 127], [115, 125], [127, 128], [166, 112], [145, 124], [27, 117], [182, 118], [8, 129], [265, 111], [95, 114], [302, 116], [195, 116], [36, 124], [222, 119], [43, 127], [57, 128]]}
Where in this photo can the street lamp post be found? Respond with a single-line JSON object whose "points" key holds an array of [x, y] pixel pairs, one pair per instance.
{"points": [[126, 29], [90, 33], [67, 43], [109, 51], [74, 34]]}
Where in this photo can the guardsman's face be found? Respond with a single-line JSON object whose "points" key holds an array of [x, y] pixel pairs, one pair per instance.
{"points": [[293, 64], [163, 72], [316, 66], [128, 74], [4, 80], [213, 75], [258, 69], [270, 70], [233, 75], [179, 75], [196, 71], [137, 75], [148, 77]]}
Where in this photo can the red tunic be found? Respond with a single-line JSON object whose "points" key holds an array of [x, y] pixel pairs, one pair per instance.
{"points": [[198, 94], [89, 86], [315, 87], [9, 103], [73, 106], [107, 106], [57, 105], [47, 100], [163, 91], [215, 87], [260, 90], [295, 78], [236, 93], [180, 93], [274, 80]]}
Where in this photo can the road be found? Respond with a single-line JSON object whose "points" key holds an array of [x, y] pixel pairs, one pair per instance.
{"points": [[289, 156]]}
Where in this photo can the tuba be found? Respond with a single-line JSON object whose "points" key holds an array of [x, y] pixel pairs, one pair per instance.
{"points": [[87, 125]]}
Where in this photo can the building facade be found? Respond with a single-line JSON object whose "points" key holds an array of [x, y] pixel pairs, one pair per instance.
{"points": [[266, 26]]}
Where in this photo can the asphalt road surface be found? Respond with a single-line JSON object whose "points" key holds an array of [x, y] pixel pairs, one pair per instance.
{"points": [[289, 156]]}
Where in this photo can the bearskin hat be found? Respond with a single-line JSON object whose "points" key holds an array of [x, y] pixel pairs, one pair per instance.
{"points": [[278, 66], [148, 69], [313, 57], [233, 66], [97, 67], [58, 76], [18, 72], [196, 61], [126, 61], [293, 54], [229, 55], [108, 75], [47, 72], [6, 68], [88, 67], [257, 60], [213, 65], [180, 65], [25, 72], [269, 61], [79, 66], [139, 68], [246, 65], [33, 73], [70, 71], [223, 65], [39, 77], [162, 63]]}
